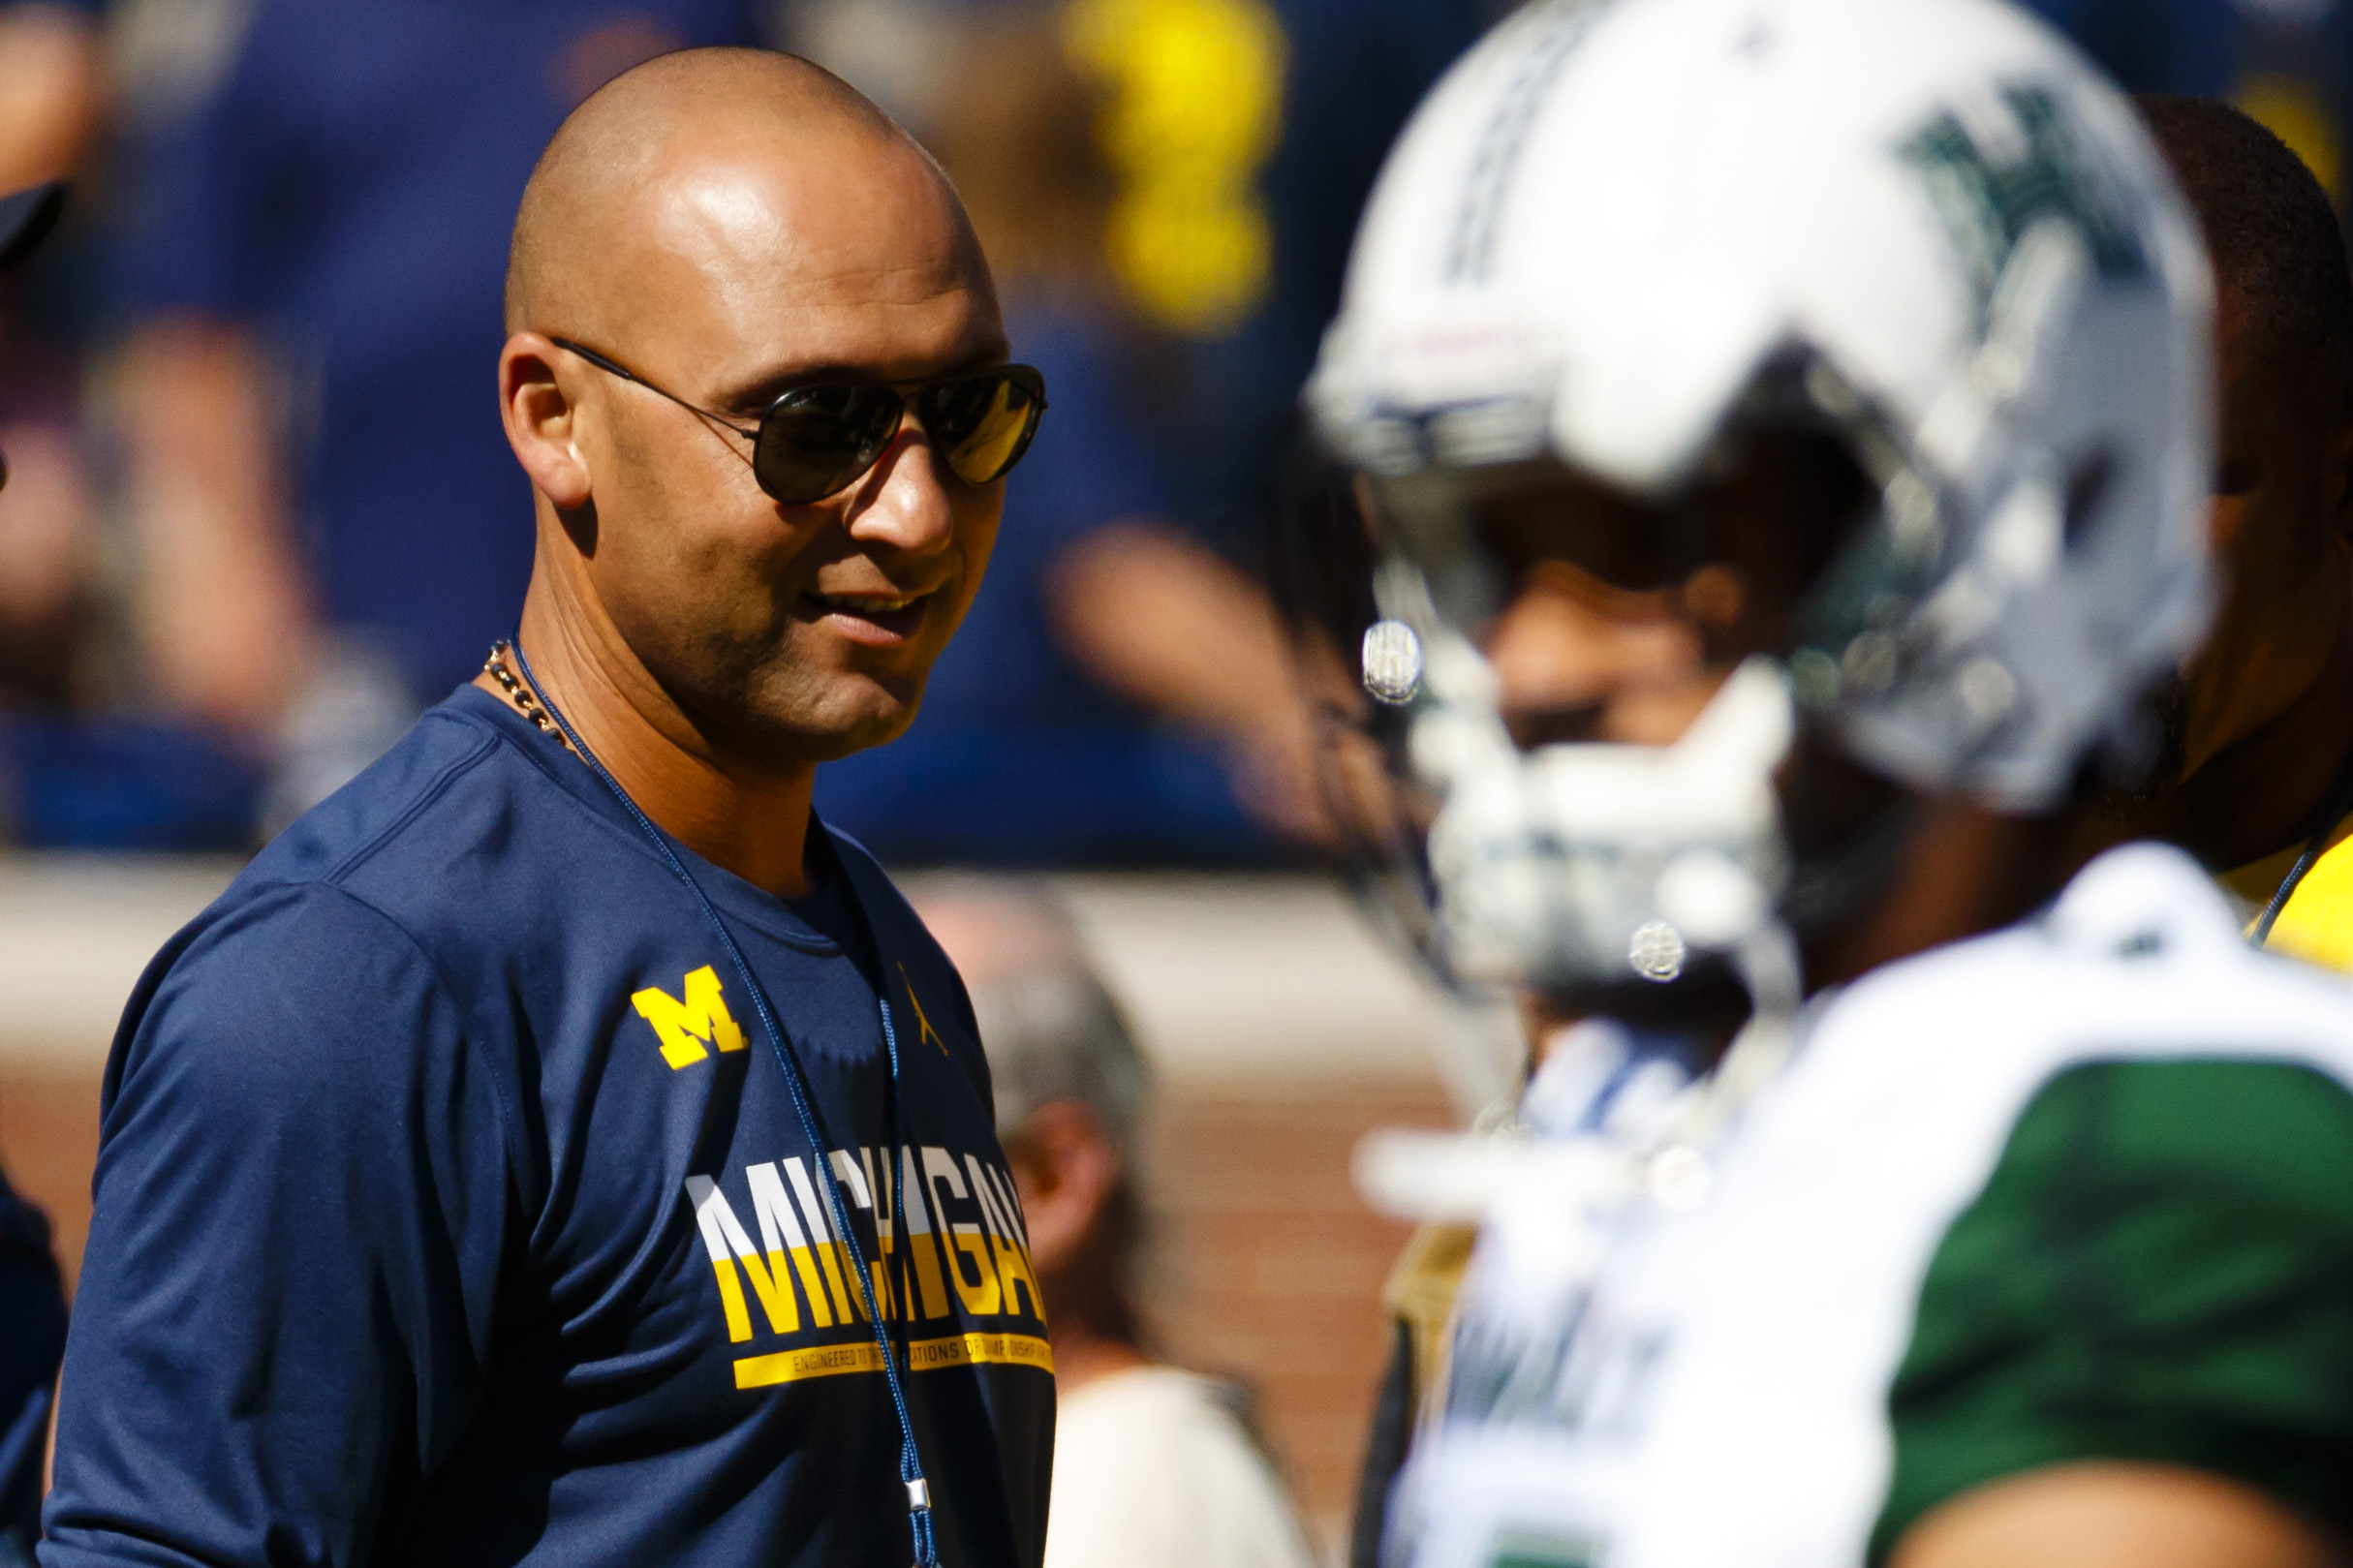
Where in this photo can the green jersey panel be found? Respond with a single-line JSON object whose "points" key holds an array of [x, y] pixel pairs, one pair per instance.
{"points": [[2160, 1268]]}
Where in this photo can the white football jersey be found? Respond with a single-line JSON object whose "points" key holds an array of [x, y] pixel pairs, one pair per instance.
{"points": [[2058, 1192]]}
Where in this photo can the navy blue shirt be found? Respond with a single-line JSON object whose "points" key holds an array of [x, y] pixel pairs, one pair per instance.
{"points": [[451, 1208], [347, 187]]}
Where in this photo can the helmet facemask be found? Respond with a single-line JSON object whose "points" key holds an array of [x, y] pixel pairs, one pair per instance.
{"points": [[1619, 248], [1519, 848]]}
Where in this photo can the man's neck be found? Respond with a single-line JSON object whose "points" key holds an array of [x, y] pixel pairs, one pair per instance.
{"points": [[751, 821], [1081, 1358], [1094, 1330], [1963, 871], [2269, 789]]}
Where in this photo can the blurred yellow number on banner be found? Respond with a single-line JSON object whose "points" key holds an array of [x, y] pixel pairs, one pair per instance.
{"points": [[1195, 109]]}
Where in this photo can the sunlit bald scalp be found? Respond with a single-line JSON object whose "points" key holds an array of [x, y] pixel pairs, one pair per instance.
{"points": [[625, 136]]}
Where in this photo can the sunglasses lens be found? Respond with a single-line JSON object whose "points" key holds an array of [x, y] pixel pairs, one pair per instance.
{"points": [[984, 424], [818, 439]]}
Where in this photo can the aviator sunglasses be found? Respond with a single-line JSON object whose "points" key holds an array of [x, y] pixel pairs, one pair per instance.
{"points": [[815, 439]]}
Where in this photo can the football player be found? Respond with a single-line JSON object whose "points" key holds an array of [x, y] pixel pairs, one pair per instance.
{"points": [[1775, 439]]}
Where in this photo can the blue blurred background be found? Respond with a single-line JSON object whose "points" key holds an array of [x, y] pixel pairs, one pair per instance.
{"points": [[262, 512]]}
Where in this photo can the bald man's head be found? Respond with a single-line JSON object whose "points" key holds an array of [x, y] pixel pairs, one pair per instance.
{"points": [[718, 229], [653, 123]]}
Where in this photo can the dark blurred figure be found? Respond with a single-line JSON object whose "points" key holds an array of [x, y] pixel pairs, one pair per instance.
{"points": [[84, 761], [314, 234], [1167, 189], [79, 767], [51, 90], [32, 1295], [2256, 778], [1154, 1467]]}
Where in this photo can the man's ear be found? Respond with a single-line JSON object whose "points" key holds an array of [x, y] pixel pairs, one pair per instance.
{"points": [[539, 415], [1063, 1161]]}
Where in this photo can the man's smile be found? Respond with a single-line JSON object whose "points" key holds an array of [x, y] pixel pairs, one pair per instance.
{"points": [[880, 620]]}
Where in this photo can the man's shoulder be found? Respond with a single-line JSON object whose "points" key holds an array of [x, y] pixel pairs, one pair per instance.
{"points": [[441, 841], [389, 804], [2150, 1267], [451, 825], [2141, 956], [343, 967]]}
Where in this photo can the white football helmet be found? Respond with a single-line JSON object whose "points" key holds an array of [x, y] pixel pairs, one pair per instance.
{"points": [[1619, 234]]}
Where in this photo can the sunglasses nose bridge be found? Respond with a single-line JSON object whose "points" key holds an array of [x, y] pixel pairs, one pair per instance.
{"points": [[910, 432], [891, 425], [911, 413], [903, 428]]}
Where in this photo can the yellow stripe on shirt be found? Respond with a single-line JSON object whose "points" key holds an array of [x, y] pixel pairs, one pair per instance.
{"points": [[922, 1355]]}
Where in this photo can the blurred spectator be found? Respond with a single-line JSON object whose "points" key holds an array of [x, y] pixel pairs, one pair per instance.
{"points": [[1152, 1465], [49, 94], [2288, 63], [2256, 776], [329, 529], [71, 776], [51, 87], [1167, 189], [32, 1296]]}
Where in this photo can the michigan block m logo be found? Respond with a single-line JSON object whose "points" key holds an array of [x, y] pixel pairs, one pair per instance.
{"points": [[689, 1028]]}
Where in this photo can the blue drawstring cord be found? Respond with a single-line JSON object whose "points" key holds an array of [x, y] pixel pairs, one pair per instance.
{"points": [[910, 1458]]}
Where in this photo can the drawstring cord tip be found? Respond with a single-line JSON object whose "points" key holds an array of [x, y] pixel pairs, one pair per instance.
{"points": [[927, 1554]]}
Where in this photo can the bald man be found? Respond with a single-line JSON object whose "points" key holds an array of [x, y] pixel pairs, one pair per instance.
{"points": [[558, 1148]]}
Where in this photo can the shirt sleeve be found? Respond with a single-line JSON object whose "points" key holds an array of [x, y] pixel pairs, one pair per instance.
{"points": [[2160, 1269], [302, 1205]]}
